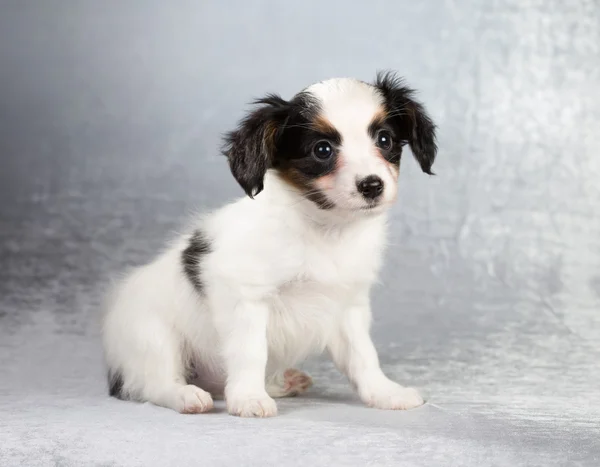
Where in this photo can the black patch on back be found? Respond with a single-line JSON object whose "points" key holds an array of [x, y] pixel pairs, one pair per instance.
{"points": [[115, 384], [191, 258]]}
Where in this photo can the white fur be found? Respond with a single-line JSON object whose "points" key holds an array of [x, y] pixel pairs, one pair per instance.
{"points": [[283, 280], [349, 105]]}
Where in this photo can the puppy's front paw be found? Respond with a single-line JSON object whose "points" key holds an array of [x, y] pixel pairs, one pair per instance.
{"points": [[251, 406], [392, 396], [192, 399]]}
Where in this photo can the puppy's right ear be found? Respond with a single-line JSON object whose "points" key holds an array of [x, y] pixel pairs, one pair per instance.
{"points": [[251, 148]]}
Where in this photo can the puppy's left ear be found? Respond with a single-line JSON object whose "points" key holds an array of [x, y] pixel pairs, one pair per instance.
{"points": [[251, 147], [409, 118]]}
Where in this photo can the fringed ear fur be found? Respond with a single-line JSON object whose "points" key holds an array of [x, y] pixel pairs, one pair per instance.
{"points": [[251, 147], [410, 118]]}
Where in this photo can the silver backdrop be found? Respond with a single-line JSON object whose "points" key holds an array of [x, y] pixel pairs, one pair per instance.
{"points": [[110, 121]]}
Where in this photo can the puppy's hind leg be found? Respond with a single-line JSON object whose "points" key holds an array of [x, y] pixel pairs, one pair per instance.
{"points": [[150, 367]]}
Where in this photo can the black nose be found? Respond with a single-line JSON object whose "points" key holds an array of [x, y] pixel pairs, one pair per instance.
{"points": [[370, 187]]}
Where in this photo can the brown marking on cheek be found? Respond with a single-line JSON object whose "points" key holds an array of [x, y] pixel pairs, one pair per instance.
{"points": [[325, 182], [294, 178], [310, 189]]}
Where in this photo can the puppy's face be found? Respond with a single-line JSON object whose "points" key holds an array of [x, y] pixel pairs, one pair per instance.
{"points": [[338, 142]]}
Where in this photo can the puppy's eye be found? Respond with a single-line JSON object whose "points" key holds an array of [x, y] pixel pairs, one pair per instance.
{"points": [[323, 150], [384, 139]]}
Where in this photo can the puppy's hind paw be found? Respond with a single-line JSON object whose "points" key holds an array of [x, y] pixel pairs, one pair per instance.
{"points": [[290, 383], [296, 382]]}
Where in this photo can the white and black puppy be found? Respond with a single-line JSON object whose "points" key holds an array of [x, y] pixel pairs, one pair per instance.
{"points": [[254, 288]]}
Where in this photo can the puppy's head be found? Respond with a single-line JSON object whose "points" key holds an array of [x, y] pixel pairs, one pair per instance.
{"points": [[339, 142]]}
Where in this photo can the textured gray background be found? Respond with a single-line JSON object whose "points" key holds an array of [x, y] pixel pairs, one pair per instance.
{"points": [[110, 116]]}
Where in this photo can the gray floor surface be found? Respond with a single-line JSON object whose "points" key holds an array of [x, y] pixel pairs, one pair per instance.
{"points": [[110, 118]]}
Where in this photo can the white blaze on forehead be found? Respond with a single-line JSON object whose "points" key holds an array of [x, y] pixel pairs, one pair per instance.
{"points": [[348, 104]]}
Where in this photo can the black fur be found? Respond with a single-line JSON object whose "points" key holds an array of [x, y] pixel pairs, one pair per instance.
{"points": [[250, 148], [191, 374], [191, 257], [115, 384], [320, 199], [296, 144], [408, 119], [394, 153], [281, 134]]}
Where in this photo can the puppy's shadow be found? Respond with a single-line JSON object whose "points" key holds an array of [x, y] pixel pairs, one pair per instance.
{"points": [[334, 404], [314, 400]]}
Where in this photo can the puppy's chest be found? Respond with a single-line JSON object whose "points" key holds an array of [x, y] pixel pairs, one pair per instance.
{"points": [[331, 271], [340, 263], [304, 314]]}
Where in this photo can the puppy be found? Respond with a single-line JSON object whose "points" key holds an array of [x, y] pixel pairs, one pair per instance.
{"points": [[254, 288]]}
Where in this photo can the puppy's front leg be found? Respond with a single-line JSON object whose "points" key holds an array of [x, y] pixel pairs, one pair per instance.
{"points": [[244, 340], [354, 354]]}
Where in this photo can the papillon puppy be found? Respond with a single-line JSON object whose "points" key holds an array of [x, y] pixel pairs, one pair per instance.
{"points": [[233, 305]]}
